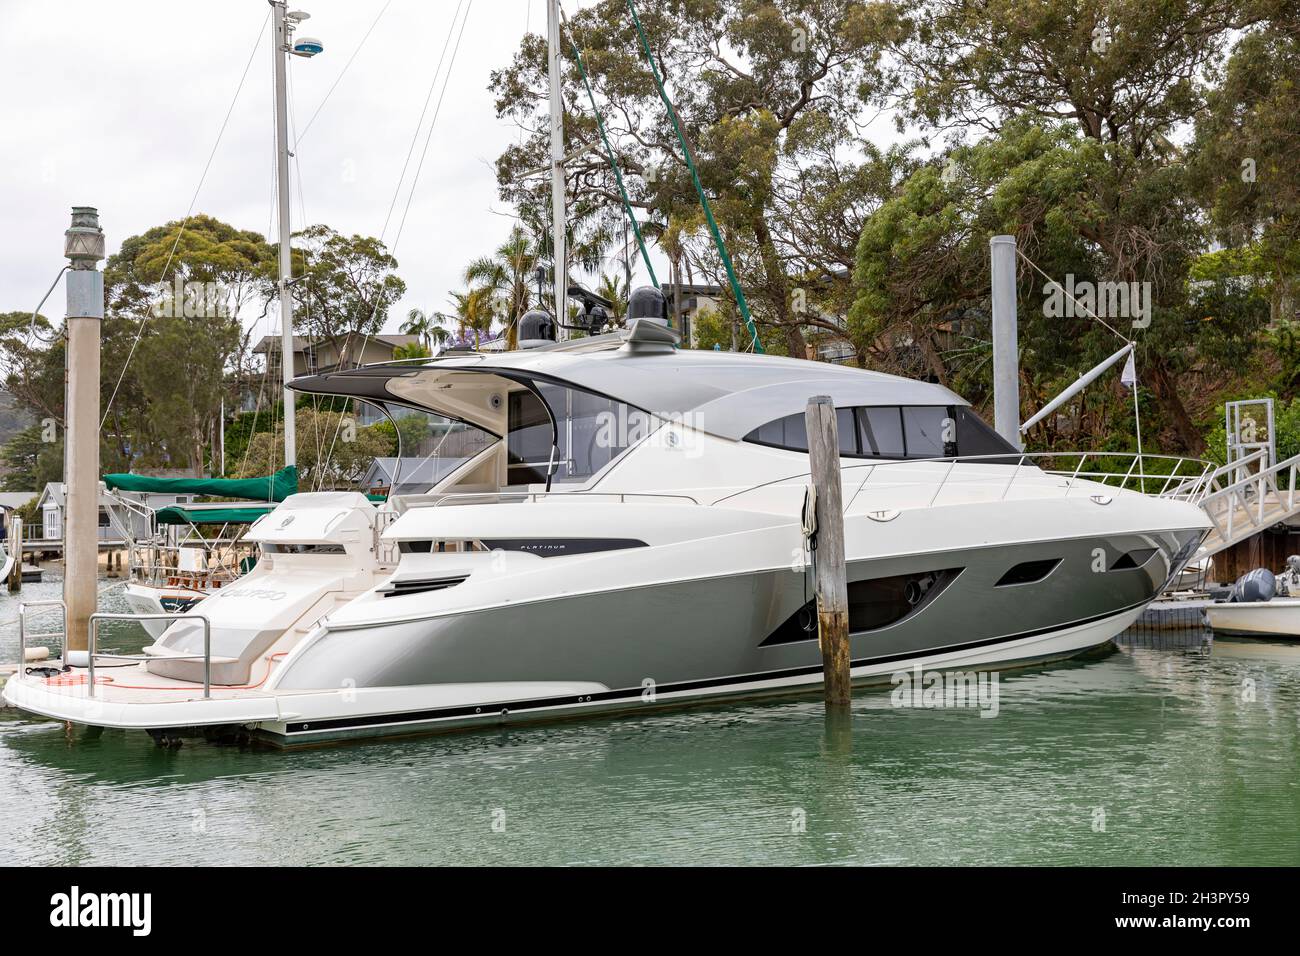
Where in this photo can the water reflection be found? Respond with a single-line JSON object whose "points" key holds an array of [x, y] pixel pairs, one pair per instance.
{"points": [[1183, 749]]}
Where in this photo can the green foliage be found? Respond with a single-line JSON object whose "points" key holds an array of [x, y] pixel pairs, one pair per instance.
{"points": [[769, 96], [1246, 161], [241, 429], [188, 353], [412, 350], [28, 462], [345, 283], [333, 452]]}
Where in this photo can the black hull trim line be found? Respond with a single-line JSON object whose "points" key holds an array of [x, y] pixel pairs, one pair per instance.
{"points": [[311, 728]]}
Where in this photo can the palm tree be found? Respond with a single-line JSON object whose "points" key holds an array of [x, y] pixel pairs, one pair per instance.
{"points": [[427, 327], [507, 274], [615, 288], [474, 311]]}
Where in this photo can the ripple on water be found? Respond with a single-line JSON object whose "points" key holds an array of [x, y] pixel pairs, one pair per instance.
{"points": [[1159, 742]]}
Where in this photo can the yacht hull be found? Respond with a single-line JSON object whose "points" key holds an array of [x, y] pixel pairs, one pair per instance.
{"points": [[317, 717], [667, 644]]}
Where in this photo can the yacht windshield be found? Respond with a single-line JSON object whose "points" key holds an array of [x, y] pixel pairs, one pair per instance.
{"points": [[428, 448], [589, 432]]}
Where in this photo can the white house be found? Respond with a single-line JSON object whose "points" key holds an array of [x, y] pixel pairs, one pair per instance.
{"points": [[114, 518]]}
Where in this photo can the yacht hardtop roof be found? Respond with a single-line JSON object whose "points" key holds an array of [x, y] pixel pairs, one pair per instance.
{"points": [[727, 394]]}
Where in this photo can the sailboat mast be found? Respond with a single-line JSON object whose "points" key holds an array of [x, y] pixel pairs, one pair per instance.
{"points": [[557, 168], [279, 50]]}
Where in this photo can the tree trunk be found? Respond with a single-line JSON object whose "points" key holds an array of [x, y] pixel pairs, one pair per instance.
{"points": [[932, 358], [776, 287], [1166, 393]]}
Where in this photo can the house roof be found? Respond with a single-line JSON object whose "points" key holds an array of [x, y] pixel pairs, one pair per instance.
{"points": [[15, 499], [56, 492]]}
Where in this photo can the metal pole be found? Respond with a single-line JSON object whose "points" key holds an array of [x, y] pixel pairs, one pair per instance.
{"points": [[84, 246], [1006, 360], [93, 626], [557, 170], [279, 50]]}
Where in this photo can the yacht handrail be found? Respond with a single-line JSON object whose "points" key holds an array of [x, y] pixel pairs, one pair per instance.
{"points": [[1192, 487], [92, 644], [62, 635], [497, 497]]}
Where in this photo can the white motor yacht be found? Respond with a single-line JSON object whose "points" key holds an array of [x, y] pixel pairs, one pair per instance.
{"points": [[630, 537]]}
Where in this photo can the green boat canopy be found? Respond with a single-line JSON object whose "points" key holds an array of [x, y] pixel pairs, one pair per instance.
{"points": [[178, 514], [275, 487]]}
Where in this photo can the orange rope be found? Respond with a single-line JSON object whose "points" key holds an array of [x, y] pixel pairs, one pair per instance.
{"points": [[75, 679]]}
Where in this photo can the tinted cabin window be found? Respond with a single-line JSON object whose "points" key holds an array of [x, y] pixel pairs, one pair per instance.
{"points": [[791, 433], [846, 425], [974, 437], [882, 432], [892, 431], [925, 428]]}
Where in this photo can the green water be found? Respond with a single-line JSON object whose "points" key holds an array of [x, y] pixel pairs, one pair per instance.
{"points": [[1188, 748]]}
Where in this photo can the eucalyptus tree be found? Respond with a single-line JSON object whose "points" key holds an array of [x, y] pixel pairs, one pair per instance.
{"points": [[343, 284], [762, 90], [1246, 158], [175, 295]]}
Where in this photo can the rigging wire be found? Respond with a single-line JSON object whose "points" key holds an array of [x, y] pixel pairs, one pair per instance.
{"points": [[1137, 415], [1033, 265], [302, 208], [144, 320], [297, 137], [755, 344], [415, 136], [415, 179], [609, 150]]}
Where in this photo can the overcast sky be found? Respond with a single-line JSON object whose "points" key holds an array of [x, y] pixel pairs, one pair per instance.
{"points": [[117, 105]]}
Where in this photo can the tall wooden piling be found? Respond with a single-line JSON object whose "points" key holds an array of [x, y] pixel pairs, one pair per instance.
{"points": [[832, 581], [16, 549]]}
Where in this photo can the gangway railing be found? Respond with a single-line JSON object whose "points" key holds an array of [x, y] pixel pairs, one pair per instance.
{"points": [[1251, 503], [93, 644]]}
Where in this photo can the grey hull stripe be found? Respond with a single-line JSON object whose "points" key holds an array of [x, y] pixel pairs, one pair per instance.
{"points": [[629, 693]]}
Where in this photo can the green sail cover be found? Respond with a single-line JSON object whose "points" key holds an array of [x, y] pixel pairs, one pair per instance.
{"points": [[178, 514], [276, 487]]}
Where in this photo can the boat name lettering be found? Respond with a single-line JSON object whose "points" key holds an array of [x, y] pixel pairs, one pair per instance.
{"points": [[256, 593]]}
